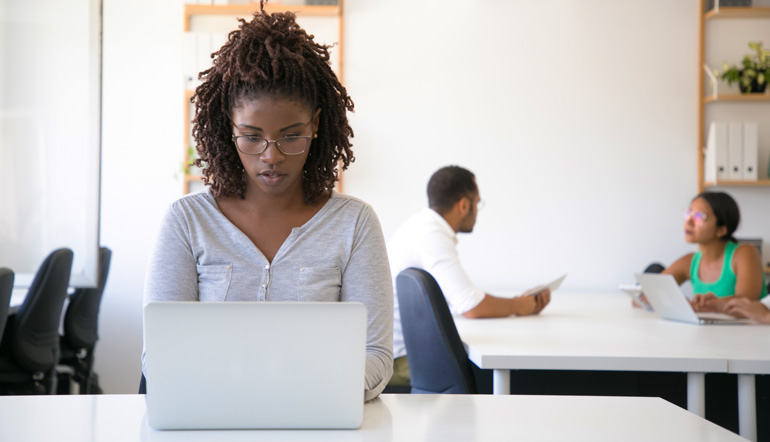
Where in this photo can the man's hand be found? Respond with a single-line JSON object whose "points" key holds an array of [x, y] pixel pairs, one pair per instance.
{"points": [[531, 302]]}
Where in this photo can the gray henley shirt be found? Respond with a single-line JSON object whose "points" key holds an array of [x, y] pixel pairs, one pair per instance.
{"points": [[338, 255]]}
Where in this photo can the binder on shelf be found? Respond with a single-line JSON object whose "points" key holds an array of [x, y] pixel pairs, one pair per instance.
{"points": [[203, 51], [715, 157], [218, 39], [750, 148], [735, 152], [190, 61]]}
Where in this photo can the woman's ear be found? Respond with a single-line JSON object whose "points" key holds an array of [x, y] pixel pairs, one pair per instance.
{"points": [[721, 231]]}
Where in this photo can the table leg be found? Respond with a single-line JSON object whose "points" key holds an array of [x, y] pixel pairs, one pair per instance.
{"points": [[696, 393], [747, 407], [501, 381]]}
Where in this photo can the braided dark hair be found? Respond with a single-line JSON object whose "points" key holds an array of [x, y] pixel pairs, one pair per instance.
{"points": [[270, 56]]}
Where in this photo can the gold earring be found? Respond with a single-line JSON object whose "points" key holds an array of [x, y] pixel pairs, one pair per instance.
{"points": [[315, 136]]}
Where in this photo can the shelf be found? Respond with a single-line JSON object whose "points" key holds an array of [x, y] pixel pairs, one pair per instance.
{"points": [[246, 11], [758, 183], [738, 12], [754, 98]]}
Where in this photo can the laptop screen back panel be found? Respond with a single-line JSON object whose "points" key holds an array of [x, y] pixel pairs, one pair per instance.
{"points": [[255, 365]]}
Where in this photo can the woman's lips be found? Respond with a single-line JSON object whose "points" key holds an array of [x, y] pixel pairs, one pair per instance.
{"points": [[271, 176]]}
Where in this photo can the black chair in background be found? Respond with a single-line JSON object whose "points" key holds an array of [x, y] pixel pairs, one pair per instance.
{"points": [[438, 362], [30, 345], [81, 319], [6, 289], [655, 267]]}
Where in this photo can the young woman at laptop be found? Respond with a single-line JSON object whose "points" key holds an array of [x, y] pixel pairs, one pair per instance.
{"points": [[271, 132], [721, 269]]}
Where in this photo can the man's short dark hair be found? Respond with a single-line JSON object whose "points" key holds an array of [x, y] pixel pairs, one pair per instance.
{"points": [[448, 185]]}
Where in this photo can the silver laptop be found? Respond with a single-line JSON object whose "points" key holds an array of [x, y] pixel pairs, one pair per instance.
{"points": [[255, 365], [668, 302]]}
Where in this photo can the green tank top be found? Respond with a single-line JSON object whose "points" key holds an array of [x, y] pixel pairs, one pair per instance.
{"points": [[725, 285]]}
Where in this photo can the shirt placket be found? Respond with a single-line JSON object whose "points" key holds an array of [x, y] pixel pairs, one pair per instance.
{"points": [[265, 285]]}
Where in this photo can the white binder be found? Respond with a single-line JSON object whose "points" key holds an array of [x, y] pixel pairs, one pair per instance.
{"points": [[203, 51], [715, 160], [750, 147], [190, 60], [735, 151]]}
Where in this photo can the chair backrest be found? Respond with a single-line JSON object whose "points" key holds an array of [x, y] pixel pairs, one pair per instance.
{"points": [[35, 326], [82, 317], [6, 289], [438, 362]]}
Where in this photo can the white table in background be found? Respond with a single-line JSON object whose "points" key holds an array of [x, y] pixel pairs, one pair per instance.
{"points": [[122, 418], [603, 332], [17, 298]]}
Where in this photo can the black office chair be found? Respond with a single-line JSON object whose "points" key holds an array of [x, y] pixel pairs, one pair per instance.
{"points": [[6, 288], [75, 368], [438, 362], [29, 349]]}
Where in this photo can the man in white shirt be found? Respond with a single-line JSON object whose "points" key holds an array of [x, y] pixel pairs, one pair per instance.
{"points": [[428, 241]]}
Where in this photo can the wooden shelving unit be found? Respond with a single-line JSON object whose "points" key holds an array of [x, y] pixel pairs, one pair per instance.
{"points": [[246, 11], [737, 98], [738, 12], [758, 183], [703, 100]]}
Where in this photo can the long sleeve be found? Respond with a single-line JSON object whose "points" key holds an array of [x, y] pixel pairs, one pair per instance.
{"points": [[367, 279]]}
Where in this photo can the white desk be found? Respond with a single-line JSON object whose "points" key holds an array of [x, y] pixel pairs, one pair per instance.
{"points": [[603, 332], [122, 418]]}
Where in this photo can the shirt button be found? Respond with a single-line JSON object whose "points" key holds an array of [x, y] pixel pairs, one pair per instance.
{"points": [[267, 267], [264, 285]]}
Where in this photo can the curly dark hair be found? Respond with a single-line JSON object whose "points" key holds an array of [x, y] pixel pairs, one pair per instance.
{"points": [[270, 56]]}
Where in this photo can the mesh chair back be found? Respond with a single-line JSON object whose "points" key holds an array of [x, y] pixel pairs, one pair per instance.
{"points": [[35, 327], [438, 362], [6, 288], [81, 319]]}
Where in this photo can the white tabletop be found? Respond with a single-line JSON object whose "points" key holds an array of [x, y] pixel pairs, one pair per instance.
{"points": [[592, 332], [118, 418]]}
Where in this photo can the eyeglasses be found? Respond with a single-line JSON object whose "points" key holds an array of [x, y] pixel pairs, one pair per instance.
{"points": [[255, 145], [697, 216]]}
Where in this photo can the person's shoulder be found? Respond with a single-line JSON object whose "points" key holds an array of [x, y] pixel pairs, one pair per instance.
{"points": [[194, 203], [349, 203], [746, 252]]}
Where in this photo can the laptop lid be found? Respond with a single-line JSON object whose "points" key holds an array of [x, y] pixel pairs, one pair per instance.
{"points": [[668, 301], [254, 365]]}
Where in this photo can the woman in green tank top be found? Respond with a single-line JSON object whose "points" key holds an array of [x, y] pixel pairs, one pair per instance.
{"points": [[721, 269]]}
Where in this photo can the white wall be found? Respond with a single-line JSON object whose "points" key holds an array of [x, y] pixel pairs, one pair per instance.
{"points": [[143, 147], [578, 117]]}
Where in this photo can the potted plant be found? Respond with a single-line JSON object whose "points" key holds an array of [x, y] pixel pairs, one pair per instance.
{"points": [[753, 73]]}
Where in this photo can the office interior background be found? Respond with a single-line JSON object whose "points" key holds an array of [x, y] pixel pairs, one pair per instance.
{"points": [[578, 117]]}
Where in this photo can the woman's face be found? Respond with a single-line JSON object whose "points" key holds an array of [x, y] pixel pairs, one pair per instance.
{"points": [[273, 118], [700, 223]]}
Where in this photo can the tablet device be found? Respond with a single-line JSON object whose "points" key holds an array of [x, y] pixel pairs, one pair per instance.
{"points": [[552, 286]]}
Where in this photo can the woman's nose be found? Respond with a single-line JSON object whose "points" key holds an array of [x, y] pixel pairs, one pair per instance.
{"points": [[271, 154]]}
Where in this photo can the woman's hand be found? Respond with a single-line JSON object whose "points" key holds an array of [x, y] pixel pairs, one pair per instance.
{"points": [[708, 303], [641, 302], [746, 308]]}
